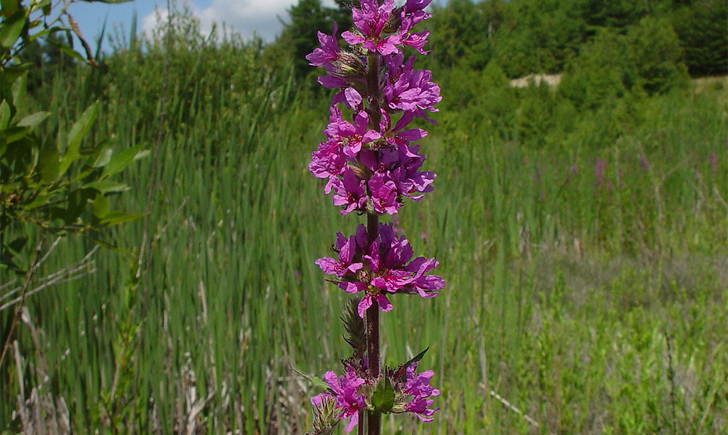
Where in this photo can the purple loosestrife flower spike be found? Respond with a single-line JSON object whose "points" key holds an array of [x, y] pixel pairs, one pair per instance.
{"points": [[371, 163]]}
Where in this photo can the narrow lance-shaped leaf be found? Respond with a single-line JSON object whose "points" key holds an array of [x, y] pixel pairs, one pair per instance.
{"points": [[11, 28], [66, 49], [416, 358], [4, 115], [119, 217], [315, 380], [19, 86], [107, 186], [77, 133], [34, 119], [121, 160], [48, 163], [103, 156]]}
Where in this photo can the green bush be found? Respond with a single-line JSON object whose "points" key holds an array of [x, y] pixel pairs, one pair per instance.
{"points": [[647, 58], [703, 36]]}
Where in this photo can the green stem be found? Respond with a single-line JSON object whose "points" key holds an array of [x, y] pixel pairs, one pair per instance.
{"points": [[374, 419], [373, 90]]}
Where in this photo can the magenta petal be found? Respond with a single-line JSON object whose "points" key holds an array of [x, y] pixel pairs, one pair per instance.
{"points": [[352, 38], [370, 136], [353, 98], [352, 287], [333, 380], [328, 265], [353, 421], [347, 251], [355, 267], [416, 5], [379, 283], [332, 82], [384, 303], [413, 134], [364, 305]]}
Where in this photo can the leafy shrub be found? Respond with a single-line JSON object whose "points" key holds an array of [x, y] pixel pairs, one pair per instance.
{"points": [[648, 57], [703, 36]]}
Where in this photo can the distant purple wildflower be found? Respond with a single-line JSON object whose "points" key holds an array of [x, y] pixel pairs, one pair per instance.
{"points": [[599, 172]]}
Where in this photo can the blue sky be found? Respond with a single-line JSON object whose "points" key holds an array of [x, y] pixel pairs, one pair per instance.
{"points": [[244, 16]]}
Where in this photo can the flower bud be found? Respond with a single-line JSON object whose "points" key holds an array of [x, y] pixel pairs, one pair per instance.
{"points": [[348, 66], [394, 22], [325, 414]]}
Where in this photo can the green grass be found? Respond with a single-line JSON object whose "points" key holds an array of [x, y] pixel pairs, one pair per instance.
{"points": [[563, 287]]}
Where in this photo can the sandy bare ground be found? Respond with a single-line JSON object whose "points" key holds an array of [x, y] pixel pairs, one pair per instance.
{"points": [[536, 79]]}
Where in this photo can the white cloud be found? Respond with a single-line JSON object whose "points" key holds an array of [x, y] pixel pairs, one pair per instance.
{"points": [[243, 16]]}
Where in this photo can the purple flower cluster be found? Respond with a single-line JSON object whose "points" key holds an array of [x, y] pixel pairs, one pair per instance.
{"points": [[380, 268], [371, 163], [344, 391], [346, 396], [413, 393]]}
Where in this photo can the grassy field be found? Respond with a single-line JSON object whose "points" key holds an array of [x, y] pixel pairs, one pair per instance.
{"points": [[586, 284]]}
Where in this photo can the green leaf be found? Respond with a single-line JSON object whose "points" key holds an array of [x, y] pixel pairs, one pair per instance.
{"points": [[121, 160], [46, 6], [9, 7], [68, 51], [119, 217], [4, 115], [49, 163], [315, 380], [82, 126], [83, 174], [77, 201], [401, 370], [383, 397], [39, 201], [43, 4], [106, 186], [19, 87], [416, 358], [77, 133], [14, 134], [39, 35], [11, 28], [100, 206], [33, 120], [13, 73], [103, 157]]}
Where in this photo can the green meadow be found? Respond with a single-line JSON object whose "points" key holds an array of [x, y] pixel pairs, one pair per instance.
{"points": [[584, 245]]}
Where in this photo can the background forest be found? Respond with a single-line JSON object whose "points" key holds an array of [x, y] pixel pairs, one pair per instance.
{"points": [[582, 229]]}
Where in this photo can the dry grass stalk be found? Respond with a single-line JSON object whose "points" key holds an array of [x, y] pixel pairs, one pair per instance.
{"points": [[513, 408], [40, 413]]}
